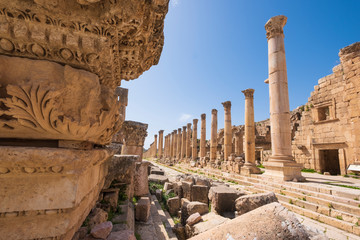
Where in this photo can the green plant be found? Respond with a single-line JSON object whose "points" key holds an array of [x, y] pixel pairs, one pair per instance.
{"points": [[309, 170], [330, 205], [346, 175], [339, 217], [138, 237], [176, 220], [304, 198], [356, 199], [290, 201], [86, 222], [209, 207], [281, 193], [260, 166]]}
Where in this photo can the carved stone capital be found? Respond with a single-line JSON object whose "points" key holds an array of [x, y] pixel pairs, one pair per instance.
{"points": [[184, 128], [116, 40], [134, 133], [214, 111], [249, 93], [161, 132], [189, 125], [203, 116], [179, 130], [274, 26], [195, 122], [227, 105]]}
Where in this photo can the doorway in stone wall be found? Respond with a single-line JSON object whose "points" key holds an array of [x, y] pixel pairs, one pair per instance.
{"points": [[329, 159]]}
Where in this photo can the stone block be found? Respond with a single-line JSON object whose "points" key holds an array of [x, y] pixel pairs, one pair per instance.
{"points": [[126, 216], [248, 203], [178, 189], [193, 219], [97, 216], [111, 196], [158, 179], [101, 230], [168, 186], [223, 199], [210, 220], [186, 188], [142, 209], [188, 208], [158, 194], [122, 235], [157, 171], [141, 184], [173, 205], [200, 193]]}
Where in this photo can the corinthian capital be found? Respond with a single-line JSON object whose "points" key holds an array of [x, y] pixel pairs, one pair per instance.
{"points": [[227, 105], [249, 93], [275, 26]]}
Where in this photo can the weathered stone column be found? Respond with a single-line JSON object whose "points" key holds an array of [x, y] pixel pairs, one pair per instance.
{"points": [[188, 139], [227, 130], [183, 143], [281, 164], [171, 145], [155, 146], [194, 140], [239, 143], [178, 151], [161, 132], [175, 145], [166, 149], [213, 140], [203, 136], [249, 166]]}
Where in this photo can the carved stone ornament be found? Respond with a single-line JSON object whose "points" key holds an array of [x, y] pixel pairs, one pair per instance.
{"points": [[115, 39], [133, 133], [44, 100], [227, 105], [249, 93], [275, 26]]}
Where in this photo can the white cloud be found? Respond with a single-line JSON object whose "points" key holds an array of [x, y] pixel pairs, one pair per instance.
{"points": [[184, 117], [174, 3]]}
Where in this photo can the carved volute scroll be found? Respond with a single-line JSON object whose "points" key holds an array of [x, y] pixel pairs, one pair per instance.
{"points": [[133, 133]]}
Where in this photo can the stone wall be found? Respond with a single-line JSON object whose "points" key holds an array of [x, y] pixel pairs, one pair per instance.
{"points": [[329, 134]]}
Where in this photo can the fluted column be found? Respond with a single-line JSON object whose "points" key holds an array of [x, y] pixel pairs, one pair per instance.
{"points": [[213, 140], [188, 139], [183, 143], [281, 163], [161, 132], [194, 140], [249, 166], [178, 151], [227, 130], [203, 136]]}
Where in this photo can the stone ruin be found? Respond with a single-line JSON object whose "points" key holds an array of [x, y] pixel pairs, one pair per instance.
{"points": [[60, 109], [320, 135]]}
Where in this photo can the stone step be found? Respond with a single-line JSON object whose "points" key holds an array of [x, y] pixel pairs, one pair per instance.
{"points": [[346, 226], [344, 216]]}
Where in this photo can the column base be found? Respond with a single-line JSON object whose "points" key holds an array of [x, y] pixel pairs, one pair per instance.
{"points": [[249, 168], [283, 170]]}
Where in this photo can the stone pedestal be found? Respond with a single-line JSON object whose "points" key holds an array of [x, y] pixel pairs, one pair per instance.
{"points": [[194, 140], [249, 166], [227, 130], [213, 139], [203, 136], [281, 164], [183, 143], [188, 141]]}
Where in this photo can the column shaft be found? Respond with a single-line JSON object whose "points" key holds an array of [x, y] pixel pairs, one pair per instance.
{"points": [[183, 143], [188, 139], [213, 140], [227, 130], [203, 136], [194, 140]]}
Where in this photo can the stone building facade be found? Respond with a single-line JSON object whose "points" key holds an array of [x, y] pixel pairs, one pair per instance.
{"points": [[327, 138]]}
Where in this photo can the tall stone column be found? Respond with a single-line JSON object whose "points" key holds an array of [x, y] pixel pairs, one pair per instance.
{"points": [[167, 146], [203, 136], [227, 130], [281, 164], [249, 166], [155, 146], [175, 145], [178, 151], [213, 139], [194, 140], [239, 143], [161, 132], [183, 143], [171, 143], [188, 139]]}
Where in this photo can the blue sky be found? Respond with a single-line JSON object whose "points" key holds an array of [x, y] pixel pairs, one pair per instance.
{"points": [[214, 49]]}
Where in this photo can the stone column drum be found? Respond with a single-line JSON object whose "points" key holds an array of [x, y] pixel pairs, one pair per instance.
{"points": [[213, 140], [161, 132], [281, 164], [178, 151], [175, 145], [194, 140], [238, 143], [183, 143], [188, 139], [203, 136], [249, 166], [227, 130]]}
